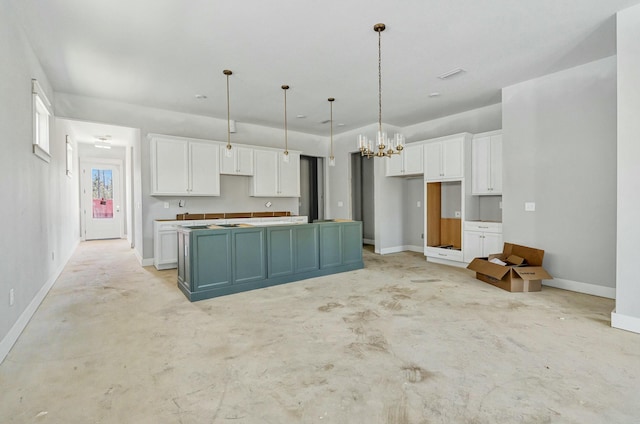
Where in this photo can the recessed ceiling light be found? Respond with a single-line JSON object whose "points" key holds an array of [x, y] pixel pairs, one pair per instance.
{"points": [[301, 116], [201, 96], [434, 94], [451, 73]]}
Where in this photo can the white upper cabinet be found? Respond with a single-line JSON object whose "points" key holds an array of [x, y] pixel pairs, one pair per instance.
{"points": [[487, 164], [409, 162], [273, 177], [184, 167], [444, 159], [236, 161]]}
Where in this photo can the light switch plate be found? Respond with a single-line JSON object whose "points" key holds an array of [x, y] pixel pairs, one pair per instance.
{"points": [[530, 206]]}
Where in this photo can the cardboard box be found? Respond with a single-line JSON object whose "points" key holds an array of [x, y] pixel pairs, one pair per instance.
{"points": [[522, 273]]}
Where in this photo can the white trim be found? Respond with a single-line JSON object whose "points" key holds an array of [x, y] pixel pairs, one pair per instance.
{"points": [[586, 288], [141, 260], [394, 249], [625, 322], [368, 241], [446, 262], [14, 333], [403, 248]]}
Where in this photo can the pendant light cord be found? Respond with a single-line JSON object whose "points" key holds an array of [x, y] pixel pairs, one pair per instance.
{"points": [[286, 142], [227, 73], [380, 81]]}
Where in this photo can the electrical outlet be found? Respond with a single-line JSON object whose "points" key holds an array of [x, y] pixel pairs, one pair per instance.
{"points": [[530, 206], [457, 214], [500, 205], [340, 204], [11, 297], [181, 203], [166, 205], [418, 204]]}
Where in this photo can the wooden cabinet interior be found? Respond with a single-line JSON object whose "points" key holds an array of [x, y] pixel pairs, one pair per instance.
{"points": [[441, 230]]}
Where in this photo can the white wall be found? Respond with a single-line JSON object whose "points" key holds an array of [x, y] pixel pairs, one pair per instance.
{"points": [[560, 152], [40, 203], [234, 189], [627, 314]]}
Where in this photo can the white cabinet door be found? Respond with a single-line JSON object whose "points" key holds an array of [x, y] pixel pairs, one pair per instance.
{"points": [[169, 166], [395, 165], [486, 154], [265, 173], [472, 245], [236, 161], [432, 161], [289, 175], [492, 243], [412, 157], [204, 169], [244, 160], [452, 158], [480, 165], [228, 160], [273, 177], [496, 164]]}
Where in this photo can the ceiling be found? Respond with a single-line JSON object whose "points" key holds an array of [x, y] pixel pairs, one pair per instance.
{"points": [[162, 53]]}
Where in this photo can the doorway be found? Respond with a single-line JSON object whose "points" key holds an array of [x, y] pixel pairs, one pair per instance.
{"points": [[311, 203], [101, 192], [362, 196]]}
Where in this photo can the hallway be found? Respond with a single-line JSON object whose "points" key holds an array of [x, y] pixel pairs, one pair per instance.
{"points": [[401, 341]]}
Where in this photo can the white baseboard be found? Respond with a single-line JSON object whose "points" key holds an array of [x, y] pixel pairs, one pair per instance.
{"points": [[368, 241], [396, 249], [446, 262], [586, 288], [141, 260], [12, 336], [625, 322]]}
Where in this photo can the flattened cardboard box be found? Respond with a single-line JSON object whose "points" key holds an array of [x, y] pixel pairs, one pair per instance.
{"points": [[513, 277]]}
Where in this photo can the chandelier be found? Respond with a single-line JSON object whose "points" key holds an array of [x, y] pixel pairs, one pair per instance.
{"points": [[384, 146]]}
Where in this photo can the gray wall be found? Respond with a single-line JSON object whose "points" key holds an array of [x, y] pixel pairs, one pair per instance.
{"points": [[413, 215], [628, 241], [560, 152], [40, 209], [234, 189]]}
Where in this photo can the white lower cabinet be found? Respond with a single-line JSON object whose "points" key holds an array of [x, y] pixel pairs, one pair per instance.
{"points": [[480, 239]]}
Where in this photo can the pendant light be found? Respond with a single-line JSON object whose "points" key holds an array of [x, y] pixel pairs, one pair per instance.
{"points": [[286, 142], [384, 147], [228, 151], [332, 159]]}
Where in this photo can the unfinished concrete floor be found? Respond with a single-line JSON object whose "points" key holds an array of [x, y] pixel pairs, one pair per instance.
{"points": [[401, 341]]}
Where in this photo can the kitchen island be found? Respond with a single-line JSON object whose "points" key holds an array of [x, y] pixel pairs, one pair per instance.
{"points": [[218, 260]]}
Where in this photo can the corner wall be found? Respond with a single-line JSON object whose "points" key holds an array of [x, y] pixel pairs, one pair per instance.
{"points": [[40, 202], [559, 151], [627, 313]]}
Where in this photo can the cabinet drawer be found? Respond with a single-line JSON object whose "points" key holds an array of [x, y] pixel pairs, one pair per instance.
{"points": [[485, 227], [449, 254]]}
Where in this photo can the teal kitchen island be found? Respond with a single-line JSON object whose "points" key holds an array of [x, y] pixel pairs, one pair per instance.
{"points": [[217, 260]]}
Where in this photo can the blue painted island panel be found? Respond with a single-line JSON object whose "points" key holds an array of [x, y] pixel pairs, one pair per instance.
{"points": [[220, 261]]}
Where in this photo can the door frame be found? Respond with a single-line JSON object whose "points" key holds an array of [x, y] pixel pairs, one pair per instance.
{"points": [[84, 207]]}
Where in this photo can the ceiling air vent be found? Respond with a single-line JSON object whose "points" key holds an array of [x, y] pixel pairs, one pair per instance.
{"points": [[451, 73]]}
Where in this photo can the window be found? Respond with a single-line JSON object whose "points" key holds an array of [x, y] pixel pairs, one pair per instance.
{"points": [[41, 118]]}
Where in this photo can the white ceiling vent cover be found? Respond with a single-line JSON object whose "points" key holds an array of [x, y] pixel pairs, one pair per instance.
{"points": [[451, 73]]}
